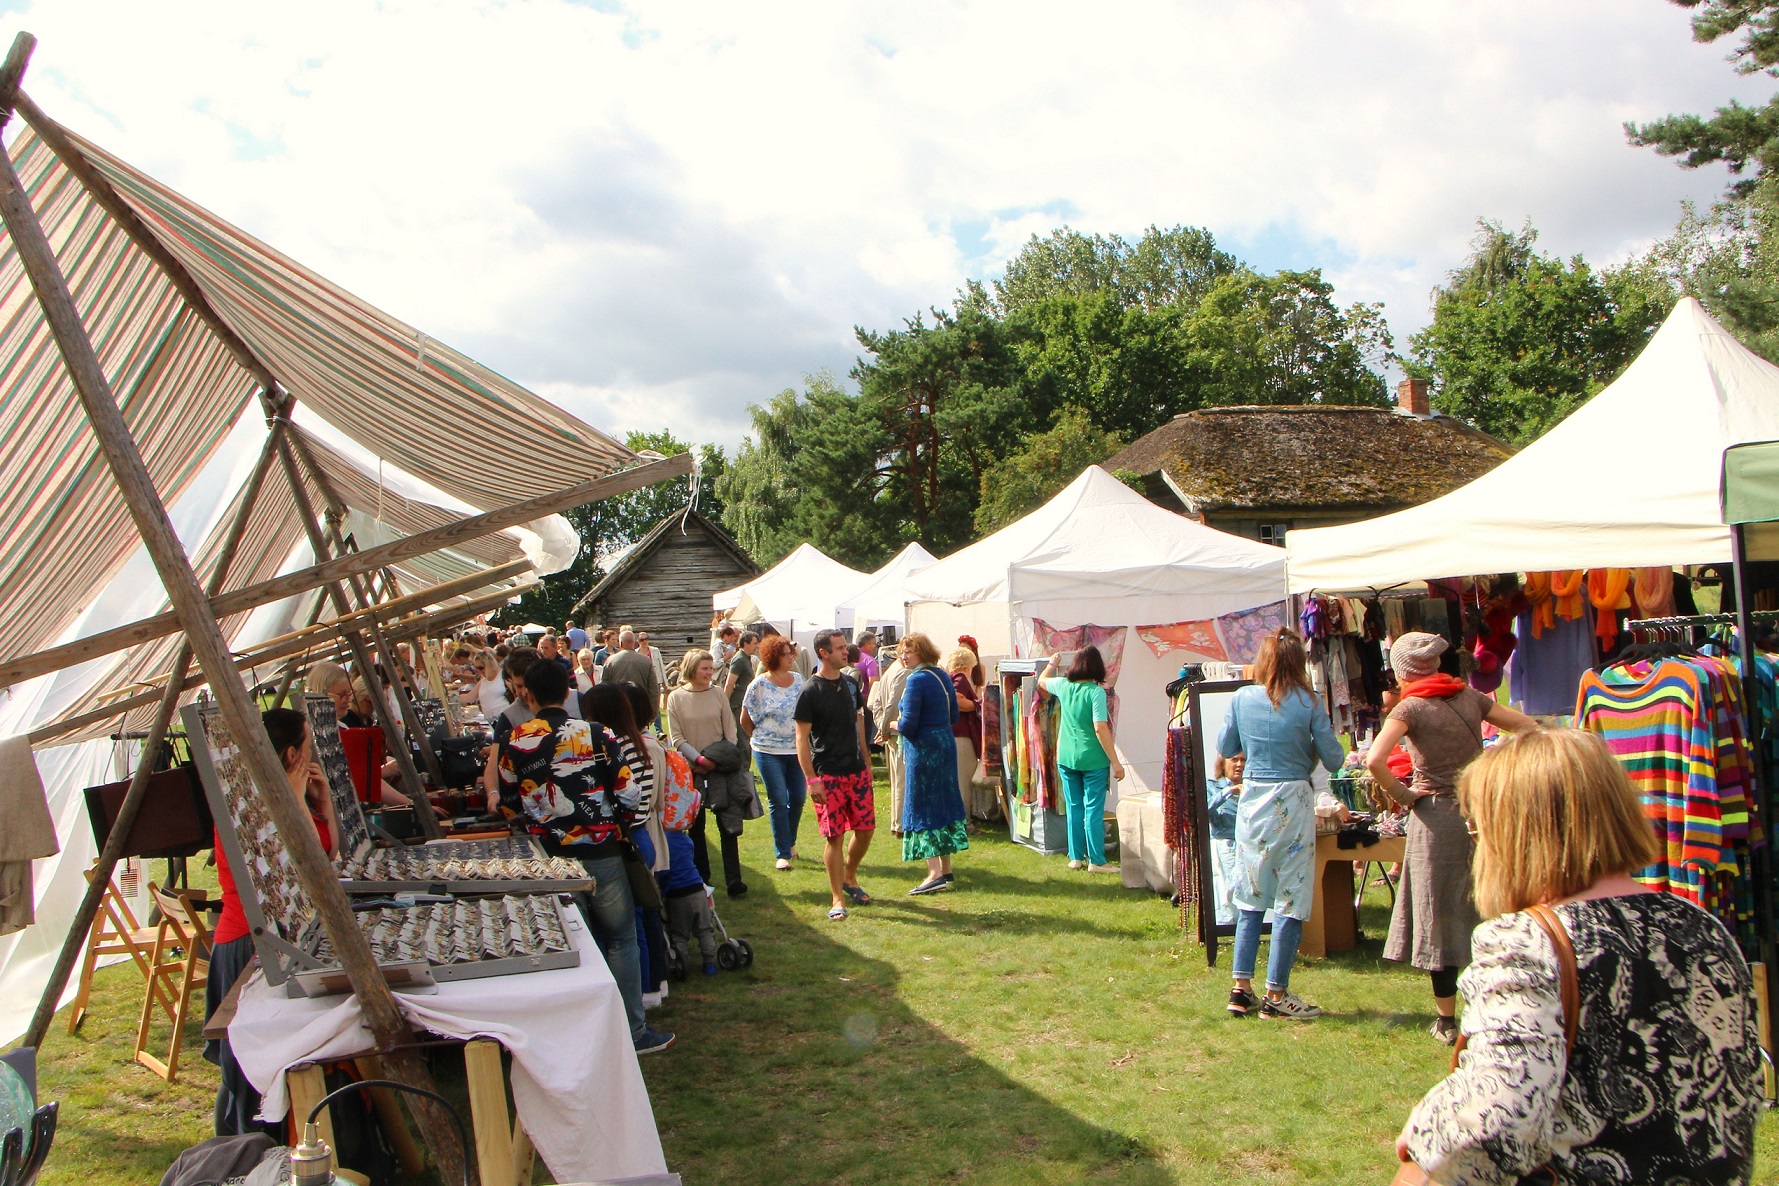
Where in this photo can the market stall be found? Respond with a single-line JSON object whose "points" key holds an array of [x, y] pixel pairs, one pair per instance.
{"points": [[1101, 563], [883, 601]]}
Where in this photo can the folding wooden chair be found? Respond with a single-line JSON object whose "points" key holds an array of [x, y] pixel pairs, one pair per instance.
{"points": [[115, 932], [179, 966]]}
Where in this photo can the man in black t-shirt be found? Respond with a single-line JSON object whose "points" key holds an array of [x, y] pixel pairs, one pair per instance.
{"points": [[830, 718]]}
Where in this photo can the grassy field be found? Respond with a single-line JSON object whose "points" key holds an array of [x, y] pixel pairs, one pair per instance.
{"points": [[1034, 1026]]}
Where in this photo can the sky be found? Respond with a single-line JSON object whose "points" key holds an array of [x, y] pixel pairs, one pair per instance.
{"points": [[658, 213]]}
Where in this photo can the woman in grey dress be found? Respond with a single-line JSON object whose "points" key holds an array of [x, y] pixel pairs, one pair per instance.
{"points": [[1440, 720]]}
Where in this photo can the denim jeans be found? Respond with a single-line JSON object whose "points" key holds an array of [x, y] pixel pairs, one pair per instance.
{"points": [[1287, 932], [611, 912], [786, 790], [1084, 803]]}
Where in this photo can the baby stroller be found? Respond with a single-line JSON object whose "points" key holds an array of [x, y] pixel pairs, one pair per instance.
{"points": [[732, 954]]}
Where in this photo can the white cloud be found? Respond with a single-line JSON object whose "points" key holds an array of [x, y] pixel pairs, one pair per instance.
{"points": [[659, 213]]}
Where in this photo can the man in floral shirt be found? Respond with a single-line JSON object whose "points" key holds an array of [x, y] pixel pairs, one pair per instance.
{"points": [[565, 777]]}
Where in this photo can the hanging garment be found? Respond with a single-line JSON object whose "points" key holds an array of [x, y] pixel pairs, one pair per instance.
{"points": [[1653, 591], [29, 833], [1566, 590], [1545, 671], [1198, 637], [1608, 593], [1543, 614], [1243, 631]]}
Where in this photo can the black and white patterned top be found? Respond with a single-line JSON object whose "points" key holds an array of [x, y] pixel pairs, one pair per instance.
{"points": [[1664, 1083]]}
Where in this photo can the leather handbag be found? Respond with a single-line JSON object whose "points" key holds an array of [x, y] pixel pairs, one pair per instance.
{"points": [[1410, 1174]]}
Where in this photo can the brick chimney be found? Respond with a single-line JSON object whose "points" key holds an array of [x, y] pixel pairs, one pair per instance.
{"points": [[1412, 397]]}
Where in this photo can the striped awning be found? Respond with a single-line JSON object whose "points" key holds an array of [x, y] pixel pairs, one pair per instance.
{"points": [[395, 393]]}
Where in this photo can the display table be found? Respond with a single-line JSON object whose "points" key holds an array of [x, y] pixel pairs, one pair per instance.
{"points": [[1144, 858], [1334, 923], [576, 1085]]}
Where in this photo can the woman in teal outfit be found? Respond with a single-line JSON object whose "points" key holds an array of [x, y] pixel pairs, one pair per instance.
{"points": [[932, 807], [1086, 761]]}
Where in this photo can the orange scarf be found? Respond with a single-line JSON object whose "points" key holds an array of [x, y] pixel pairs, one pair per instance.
{"points": [[1607, 593], [1566, 588], [1438, 686], [1654, 592], [1544, 609]]}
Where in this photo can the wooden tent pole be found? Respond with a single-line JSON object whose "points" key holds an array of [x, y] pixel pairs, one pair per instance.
{"points": [[195, 615], [75, 943], [393, 742], [105, 642], [302, 646]]}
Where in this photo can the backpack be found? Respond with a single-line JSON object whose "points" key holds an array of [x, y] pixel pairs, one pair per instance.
{"points": [[680, 798]]}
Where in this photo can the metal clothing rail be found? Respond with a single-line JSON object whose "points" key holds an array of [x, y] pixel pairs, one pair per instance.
{"points": [[1684, 620]]}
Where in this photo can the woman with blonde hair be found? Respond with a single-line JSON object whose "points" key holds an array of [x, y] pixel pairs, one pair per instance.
{"points": [[1282, 731], [960, 666], [932, 805], [491, 686], [698, 717], [1610, 1031]]}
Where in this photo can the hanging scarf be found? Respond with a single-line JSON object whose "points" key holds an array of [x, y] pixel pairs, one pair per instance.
{"points": [[1438, 686], [1607, 594], [1565, 587], [1544, 606], [1654, 592]]}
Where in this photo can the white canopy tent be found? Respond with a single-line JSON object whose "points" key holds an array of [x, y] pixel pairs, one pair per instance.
{"points": [[801, 594], [1099, 553], [1629, 480], [884, 599]]}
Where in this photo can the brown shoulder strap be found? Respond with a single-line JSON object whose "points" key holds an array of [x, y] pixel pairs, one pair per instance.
{"points": [[1553, 926], [1568, 978]]}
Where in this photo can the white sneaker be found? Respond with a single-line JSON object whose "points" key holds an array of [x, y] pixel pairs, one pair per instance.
{"points": [[1077, 864], [1289, 1007]]}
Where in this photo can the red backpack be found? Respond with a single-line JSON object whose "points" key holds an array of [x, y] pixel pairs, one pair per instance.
{"points": [[680, 797]]}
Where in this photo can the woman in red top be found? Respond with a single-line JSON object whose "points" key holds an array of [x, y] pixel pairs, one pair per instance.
{"points": [[236, 1101]]}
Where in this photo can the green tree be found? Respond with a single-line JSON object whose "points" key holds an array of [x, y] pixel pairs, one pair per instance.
{"points": [[1736, 135], [1727, 257], [1281, 339], [1172, 268], [1123, 365], [612, 523], [1044, 463], [1519, 339]]}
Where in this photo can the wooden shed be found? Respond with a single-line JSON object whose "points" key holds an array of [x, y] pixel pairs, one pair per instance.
{"points": [[663, 583]]}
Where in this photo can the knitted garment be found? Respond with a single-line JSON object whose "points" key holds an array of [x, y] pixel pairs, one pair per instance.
{"points": [[1607, 593], [1565, 588]]}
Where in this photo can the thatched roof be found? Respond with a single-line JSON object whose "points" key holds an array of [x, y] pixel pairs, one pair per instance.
{"points": [[1247, 458]]}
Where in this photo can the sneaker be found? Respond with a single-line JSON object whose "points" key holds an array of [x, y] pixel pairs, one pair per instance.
{"points": [[1242, 1002], [781, 864], [653, 1042], [1290, 1007], [1103, 869], [710, 969], [1077, 864], [931, 886], [1445, 1030]]}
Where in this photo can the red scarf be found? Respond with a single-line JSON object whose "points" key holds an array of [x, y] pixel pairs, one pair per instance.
{"points": [[1438, 686]]}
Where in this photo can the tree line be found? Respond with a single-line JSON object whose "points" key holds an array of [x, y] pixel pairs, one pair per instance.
{"points": [[971, 414]]}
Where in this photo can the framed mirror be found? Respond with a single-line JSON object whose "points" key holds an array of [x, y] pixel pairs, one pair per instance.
{"points": [[1208, 708]]}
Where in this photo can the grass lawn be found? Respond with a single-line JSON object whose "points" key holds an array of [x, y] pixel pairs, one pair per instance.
{"points": [[1033, 1026]]}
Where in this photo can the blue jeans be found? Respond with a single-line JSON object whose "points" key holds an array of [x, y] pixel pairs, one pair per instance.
{"points": [[1287, 932], [786, 789], [611, 912], [1084, 802]]}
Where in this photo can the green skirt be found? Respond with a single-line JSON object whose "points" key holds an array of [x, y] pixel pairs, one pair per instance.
{"points": [[939, 842]]}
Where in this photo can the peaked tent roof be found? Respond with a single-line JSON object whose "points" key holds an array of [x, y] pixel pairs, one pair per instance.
{"points": [[885, 596], [803, 590], [1100, 552], [1628, 480]]}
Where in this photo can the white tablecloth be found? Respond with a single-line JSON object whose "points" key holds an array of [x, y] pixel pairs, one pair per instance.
{"points": [[575, 1081]]}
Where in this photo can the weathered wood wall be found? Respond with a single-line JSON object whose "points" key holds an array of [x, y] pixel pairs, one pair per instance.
{"points": [[669, 593]]}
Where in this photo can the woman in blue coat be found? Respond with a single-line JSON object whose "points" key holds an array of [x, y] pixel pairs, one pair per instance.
{"points": [[932, 808]]}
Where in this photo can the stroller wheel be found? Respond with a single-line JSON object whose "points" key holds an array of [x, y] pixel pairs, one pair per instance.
{"points": [[747, 952], [728, 956]]}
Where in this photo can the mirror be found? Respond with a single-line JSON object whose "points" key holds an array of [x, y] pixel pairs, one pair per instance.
{"points": [[1208, 708]]}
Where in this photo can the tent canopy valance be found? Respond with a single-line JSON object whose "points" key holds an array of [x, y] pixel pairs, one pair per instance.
{"points": [[1629, 480]]}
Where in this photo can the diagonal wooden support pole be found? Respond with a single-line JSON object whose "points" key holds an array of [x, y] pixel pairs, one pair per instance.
{"points": [[138, 789], [393, 741], [196, 616]]}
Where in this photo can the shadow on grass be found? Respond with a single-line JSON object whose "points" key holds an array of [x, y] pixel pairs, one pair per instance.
{"points": [[818, 1072]]}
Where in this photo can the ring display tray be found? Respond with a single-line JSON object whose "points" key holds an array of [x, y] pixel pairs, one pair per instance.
{"points": [[514, 865], [438, 941]]}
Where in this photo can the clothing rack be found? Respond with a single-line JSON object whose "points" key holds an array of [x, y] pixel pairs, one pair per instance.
{"points": [[1685, 620]]}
